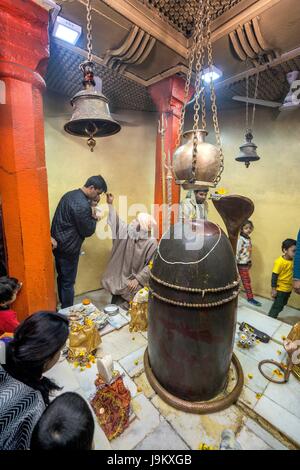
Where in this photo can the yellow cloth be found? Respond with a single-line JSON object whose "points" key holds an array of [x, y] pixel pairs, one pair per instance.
{"points": [[284, 269]]}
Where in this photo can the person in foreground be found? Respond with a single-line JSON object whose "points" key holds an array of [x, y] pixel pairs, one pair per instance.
{"points": [[133, 248], [73, 221], [24, 391], [66, 424], [9, 288], [282, 277]]}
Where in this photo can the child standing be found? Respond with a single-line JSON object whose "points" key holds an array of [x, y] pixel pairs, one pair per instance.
{"points": [[9, 288], [282, 277], [243, 259]]}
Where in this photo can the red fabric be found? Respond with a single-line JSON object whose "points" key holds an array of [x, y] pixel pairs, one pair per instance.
{"points": [[246, 280], [8, 321]]}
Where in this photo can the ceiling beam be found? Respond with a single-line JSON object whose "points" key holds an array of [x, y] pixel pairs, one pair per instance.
{"points": [[241, 76], [151, 23]]}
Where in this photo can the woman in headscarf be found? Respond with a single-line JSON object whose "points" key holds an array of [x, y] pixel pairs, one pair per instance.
{"points": [[133, 248], [24, 391]]}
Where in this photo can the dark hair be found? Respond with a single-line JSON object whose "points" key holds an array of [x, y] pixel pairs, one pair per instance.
{"points": [[98, 182], [247, 222], [286, 244], [11, 281], [67, 423], [6, 293], [36, 340]]}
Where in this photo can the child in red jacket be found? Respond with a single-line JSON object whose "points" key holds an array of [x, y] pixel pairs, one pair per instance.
{"points": [[9, 288]]}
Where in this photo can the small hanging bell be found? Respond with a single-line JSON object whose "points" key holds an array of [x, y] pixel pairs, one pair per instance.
{"points": [[91, 116], [248, 150]]}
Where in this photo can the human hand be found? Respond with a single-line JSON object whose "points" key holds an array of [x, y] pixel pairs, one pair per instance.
{"points": [[53, 243], [109, 198], [296, 285], [274, 293], [133, 284]]}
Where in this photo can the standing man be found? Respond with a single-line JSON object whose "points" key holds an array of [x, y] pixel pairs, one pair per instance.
{"points": [[73, 221], [194, 206]]}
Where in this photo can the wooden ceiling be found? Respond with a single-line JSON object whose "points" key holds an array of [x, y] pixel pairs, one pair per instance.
{"points": [[139, 42], [181, 13]]}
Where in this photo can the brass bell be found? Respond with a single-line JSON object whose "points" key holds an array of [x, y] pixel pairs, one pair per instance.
{"points": [[91, 116], [207, 165], [248, 151]]}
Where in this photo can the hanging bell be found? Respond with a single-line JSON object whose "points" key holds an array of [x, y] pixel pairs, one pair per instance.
{"points": [[248, 151], [91, 116], [208, 163]]}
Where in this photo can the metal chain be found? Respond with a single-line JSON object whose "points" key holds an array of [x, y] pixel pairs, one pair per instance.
{"points": [[191, 58], [89, 29], [255, 96], [200, 47], [213, 97]]}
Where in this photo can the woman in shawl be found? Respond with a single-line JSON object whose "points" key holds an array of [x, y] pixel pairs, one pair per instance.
{"points": [[133, 248], [24, 390]]}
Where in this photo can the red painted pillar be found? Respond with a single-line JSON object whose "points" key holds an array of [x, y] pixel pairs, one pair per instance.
{"points": [[23, 175], [168, 96]]}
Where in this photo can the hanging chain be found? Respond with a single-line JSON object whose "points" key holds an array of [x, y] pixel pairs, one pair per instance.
{"points": [[250, 128], [200, 47], [255, 96], [191, 59], [89, 29], [213, 97]]}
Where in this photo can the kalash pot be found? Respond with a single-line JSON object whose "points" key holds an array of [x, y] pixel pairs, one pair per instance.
{"points": [[208, 162], [192, 310]]}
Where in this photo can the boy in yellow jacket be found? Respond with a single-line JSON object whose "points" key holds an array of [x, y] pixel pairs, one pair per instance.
{"points": [[282, 277]]}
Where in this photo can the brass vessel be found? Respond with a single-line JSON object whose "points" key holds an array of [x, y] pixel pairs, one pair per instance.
{"points": [[207, 165]]}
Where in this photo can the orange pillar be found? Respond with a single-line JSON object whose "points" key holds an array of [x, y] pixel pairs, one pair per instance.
{"points": [[168, 96], [23, 176]]}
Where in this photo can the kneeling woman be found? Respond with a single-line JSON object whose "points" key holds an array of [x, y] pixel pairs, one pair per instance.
{"points": [[24, 391]]}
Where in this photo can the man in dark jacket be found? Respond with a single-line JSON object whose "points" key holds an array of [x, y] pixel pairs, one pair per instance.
{"points": [[73, 221]]}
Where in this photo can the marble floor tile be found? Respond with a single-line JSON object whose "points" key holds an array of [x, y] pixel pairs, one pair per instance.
{"points": [[133, 364], [250, 441], [196, 429], [260, 432], [260, 321], [64, 377], [162, 438], [263, 351], [120, 343], [286, 395], [248, 397], [253, 379], [142, 382], [282, 331], [147, 419], [287, 423]]}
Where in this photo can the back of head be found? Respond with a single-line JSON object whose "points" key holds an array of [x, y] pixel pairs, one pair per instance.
{"points": [[288, 243], [36, 341], [11, 281], [6, 293], [98, 182], [67, 423]]}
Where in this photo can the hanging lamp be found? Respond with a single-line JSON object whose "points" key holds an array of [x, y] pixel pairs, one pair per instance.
{"points": [[198, 164], [248, 148], [91, 116]]}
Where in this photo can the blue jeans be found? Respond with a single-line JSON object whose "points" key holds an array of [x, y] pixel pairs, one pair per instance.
{"points": [[66, 268]]}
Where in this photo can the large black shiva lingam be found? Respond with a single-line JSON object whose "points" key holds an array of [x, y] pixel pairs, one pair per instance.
{"points": [[192, 311]]}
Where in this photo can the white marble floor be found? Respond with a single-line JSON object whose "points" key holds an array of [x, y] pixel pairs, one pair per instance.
{"points": [[266, 416]]}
